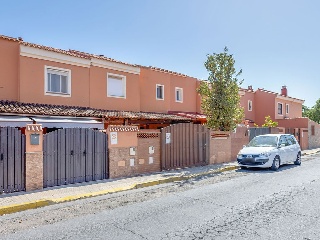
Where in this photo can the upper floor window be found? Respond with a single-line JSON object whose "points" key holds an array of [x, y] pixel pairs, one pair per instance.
{"points": [[179, 94], [249, 105], [57, 81], [280, 108], [116, 86], [287, 108], [159, 92]]}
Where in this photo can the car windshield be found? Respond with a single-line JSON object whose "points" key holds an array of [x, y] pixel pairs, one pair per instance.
{"points": [[263, 141]]}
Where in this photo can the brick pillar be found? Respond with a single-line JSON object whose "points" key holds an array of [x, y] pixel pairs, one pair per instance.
{"points": [[123, 157], [220, 147], [34, 157]]}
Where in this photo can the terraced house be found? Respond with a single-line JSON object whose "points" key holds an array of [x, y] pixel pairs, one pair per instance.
{"points": [[283, 109], [72, 83], [56, 107], [53, 86]]}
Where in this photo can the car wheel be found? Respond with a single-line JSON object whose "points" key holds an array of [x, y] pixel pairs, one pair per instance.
{"points": [[298, 160], [276, 164]]}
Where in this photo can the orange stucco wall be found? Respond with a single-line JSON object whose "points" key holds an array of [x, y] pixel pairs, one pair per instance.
{"points": [[293, 123], [32, 83], [98, 91], [264, 105], [295, 109], [198, 99], [189, 85], [244, 103], [9, 73], [149, 78]]}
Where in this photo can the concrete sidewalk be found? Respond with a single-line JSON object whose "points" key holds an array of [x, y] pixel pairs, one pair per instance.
{"points": [[15, 202]]}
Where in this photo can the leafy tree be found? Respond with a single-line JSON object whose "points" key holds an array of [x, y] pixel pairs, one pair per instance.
{"points": [[220, 98], [314, 112], [306, 112], [269, 123]]}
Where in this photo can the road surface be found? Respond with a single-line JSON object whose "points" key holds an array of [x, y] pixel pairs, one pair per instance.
{"points": [[242, 204]]}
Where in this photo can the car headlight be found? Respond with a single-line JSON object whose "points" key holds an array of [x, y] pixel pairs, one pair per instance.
{"points": [[239, 156], [265, 154]]}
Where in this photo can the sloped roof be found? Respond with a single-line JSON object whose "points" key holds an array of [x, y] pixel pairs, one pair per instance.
{"points": [[80, 54], [69, 52], [278, 94], [270, 92], [32, 109], [165, 71], [192, 115]]}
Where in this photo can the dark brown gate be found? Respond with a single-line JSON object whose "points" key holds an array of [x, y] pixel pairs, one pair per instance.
{"points": [[74, 155], [184, 145], [12, 160]]}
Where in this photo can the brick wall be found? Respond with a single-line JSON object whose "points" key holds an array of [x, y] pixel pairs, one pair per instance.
{"points": [[34, 171], [124, 162], [238, 138], [121, 163], [314, 134], [220, 147], [34, 157], [122, 151], [224, 146], [148, 152]]}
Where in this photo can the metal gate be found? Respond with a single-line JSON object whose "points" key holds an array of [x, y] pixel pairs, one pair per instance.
{"points": [[74, 155], [12, 160], [256, 131], [184, 145]]}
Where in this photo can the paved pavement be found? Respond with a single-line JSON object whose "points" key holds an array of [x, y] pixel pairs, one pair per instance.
{"points": [[15, 202]]}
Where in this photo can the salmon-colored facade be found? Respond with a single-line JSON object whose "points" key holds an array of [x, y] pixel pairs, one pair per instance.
{"points": [[86, 80], [151, 78], [32, 73], [261, 103], [9, 65]]}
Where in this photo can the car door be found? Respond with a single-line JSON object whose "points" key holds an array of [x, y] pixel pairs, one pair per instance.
{"points": [[284, 151], [291, 149], [295, 148]]}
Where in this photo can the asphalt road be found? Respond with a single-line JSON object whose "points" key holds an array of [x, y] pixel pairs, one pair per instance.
{"points": [[243, 204]]}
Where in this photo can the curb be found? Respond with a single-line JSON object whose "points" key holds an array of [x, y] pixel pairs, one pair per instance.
{"points": [[23, 206], [46, 202], [304, 154]]}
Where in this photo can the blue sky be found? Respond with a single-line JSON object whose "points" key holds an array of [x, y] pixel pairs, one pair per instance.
{"points": [[274, 42]]}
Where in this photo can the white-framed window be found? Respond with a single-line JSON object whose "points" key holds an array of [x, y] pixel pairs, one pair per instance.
{"points": [[280, 109], [249, 105], [57, 81], [159, 92], [287, 108], [179, 94], [116, 85]]}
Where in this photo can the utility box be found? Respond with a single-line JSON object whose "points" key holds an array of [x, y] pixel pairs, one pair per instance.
{"points": [[34, 139]]}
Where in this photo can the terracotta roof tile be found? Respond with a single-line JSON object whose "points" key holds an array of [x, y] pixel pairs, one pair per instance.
{"points": [[13, 107], [164, 71], [277, 94], [11, 38], [57, 50], [102, 57]]}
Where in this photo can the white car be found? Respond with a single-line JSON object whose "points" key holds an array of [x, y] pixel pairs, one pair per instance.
{"points": [[270, 151]]}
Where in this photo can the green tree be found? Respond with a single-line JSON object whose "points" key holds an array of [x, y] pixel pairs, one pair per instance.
{"points": [[269, 123], [305, 111], [220, 98], [314, 112]]}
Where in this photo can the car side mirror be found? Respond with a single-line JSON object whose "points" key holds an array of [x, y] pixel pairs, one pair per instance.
{"points": [[281, 145]]}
